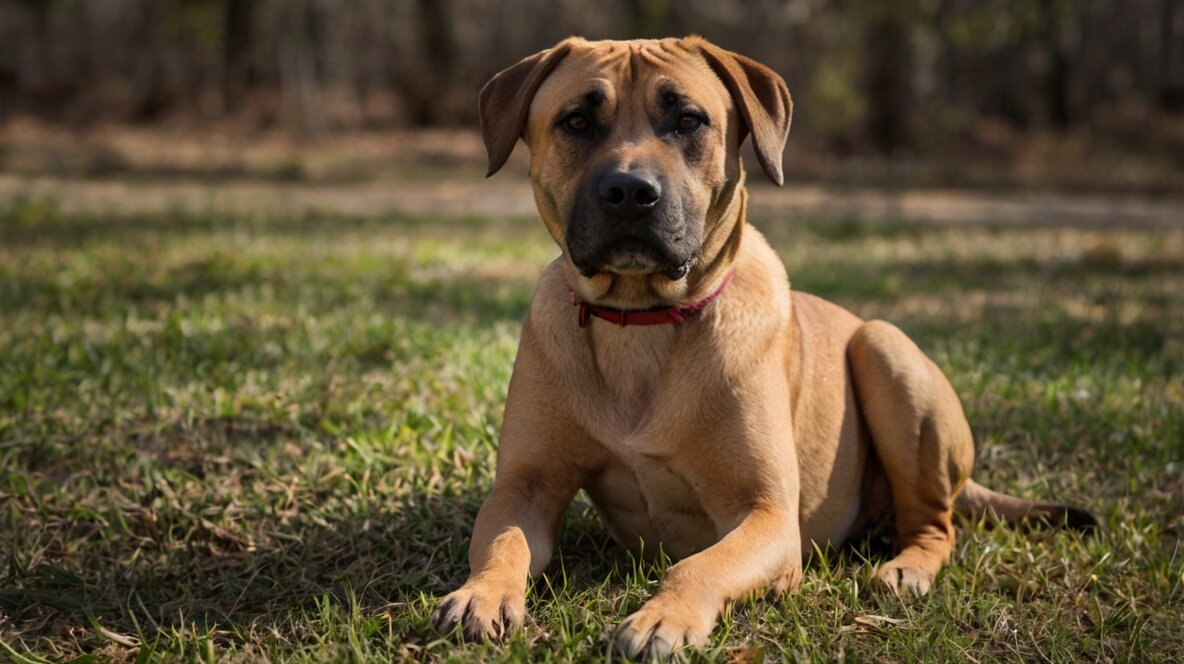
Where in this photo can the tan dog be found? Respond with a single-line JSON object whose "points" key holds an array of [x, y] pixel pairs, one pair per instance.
{"points": [[765, 423]]}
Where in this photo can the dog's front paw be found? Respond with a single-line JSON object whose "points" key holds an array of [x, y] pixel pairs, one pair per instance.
{"points": [[903, 579], [662, 626], [484, 612]]}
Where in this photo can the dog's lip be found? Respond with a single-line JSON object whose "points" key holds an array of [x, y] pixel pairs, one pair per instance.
{"points": [[677, 273], [632, 256]]}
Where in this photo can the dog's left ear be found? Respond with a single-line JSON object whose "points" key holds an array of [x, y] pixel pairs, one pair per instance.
{"points": [[505, 102], [762, 99]]}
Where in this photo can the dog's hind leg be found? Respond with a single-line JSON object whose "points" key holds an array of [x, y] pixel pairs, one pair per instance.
{"points": [[924, 443]]}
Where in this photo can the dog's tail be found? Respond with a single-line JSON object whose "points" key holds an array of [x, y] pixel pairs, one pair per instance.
{"points": [[977, 501]]}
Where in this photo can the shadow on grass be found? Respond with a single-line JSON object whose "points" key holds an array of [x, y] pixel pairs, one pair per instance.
{"points": [[380, 557], [157, 569]]}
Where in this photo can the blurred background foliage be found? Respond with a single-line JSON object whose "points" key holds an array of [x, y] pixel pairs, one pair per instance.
{"points": [[906, 78]]}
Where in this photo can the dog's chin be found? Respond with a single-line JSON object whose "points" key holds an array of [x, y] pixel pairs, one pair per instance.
{"points": [[636, 258], [645, 268], [632, 265]]}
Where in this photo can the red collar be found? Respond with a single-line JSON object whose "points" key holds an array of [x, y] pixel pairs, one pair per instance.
{"points": [[623, 317]]}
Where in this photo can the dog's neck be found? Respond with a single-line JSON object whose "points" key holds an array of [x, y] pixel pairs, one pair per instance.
{"points": [[671, 315]]}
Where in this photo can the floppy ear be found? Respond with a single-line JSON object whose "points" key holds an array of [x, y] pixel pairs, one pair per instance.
{"points": [[762, 99], [505, 101]]}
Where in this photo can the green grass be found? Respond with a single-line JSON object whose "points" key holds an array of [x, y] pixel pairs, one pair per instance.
{"points": [[266, 438]]}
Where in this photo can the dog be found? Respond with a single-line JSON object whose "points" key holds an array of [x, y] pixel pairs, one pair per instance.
{"points": [[666, 368]]}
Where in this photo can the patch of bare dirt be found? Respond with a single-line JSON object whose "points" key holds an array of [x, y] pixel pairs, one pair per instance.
{"points": [[121, 169]]}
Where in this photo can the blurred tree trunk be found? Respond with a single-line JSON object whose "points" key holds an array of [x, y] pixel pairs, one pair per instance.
{"points": [[152, 95], [37, 73], [300, 79], [238, 67], [888, 68], [1056, 88], [1171, 94], [429, 82]]}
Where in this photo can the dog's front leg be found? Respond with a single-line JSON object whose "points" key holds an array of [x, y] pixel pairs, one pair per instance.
{"points": [[538, 474], [763, 552], [512, 540]]}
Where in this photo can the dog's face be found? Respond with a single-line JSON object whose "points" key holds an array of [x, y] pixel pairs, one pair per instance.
{"points": [[635, 153]]}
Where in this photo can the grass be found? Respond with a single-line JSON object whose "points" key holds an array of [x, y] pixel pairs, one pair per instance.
{"points": [[265, 438]]}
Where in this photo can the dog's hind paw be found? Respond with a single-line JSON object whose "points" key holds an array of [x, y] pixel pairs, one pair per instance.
{"points": [[483, 614]]}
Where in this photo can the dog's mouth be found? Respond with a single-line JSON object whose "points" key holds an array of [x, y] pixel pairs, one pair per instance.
{"points": [[632, 256]]}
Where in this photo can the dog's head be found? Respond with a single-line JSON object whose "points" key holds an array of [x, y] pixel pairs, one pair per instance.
{"points": [[635, 156]]}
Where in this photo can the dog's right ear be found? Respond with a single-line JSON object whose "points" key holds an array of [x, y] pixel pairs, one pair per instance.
{"points": [[505, 101]]}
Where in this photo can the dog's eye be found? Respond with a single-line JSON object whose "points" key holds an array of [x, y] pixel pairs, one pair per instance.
{"points": [[688, 123], [577, 122]]}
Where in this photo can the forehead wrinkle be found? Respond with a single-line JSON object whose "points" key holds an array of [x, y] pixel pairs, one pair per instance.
{"points": [[613, 59], [659, 55], [626, 86], [669, 67]]}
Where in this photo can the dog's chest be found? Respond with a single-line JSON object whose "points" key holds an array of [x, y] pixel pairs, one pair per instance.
{"points": [[630, 364], [645, 504], [641, 496]]}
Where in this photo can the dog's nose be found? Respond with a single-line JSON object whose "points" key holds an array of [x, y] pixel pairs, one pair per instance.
{"points": [[632, 195]]}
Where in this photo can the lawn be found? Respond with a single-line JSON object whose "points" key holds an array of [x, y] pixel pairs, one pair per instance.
{"points": [[252, 437]]}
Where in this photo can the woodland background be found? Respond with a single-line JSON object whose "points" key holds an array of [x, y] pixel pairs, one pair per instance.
{"points": [[1014, 87]]}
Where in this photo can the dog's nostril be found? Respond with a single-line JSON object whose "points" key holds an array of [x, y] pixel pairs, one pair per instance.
{"points": [[646, 196], [629, 193]]}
